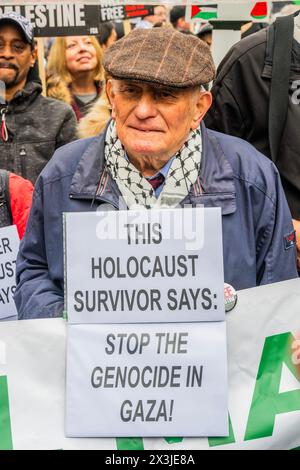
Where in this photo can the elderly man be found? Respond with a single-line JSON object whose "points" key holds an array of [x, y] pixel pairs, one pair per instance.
{"points": [[156, 152]]}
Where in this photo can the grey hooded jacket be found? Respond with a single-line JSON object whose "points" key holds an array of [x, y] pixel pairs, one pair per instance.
{"points": [[36, 127]]}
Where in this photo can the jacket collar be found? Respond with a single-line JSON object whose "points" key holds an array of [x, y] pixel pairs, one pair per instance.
{"points": [[214, 188], [217, 187], [25, 96]]}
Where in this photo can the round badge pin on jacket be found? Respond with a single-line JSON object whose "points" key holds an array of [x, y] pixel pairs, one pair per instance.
{"points": [[230, 297]]}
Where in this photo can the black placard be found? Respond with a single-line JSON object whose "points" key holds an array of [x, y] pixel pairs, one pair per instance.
{"points": [[50, 20]]}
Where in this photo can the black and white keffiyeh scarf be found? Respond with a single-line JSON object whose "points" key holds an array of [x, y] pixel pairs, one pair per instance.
{"points": [[134, 187]]}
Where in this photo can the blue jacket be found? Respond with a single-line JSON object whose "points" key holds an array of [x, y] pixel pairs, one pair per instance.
{"points": [[257, 226]]}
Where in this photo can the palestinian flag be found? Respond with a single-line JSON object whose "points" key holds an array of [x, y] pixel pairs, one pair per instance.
{"points": [[260, 10], [204, 13]]}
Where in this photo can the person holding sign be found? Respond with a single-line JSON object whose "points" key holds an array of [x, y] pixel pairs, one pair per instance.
{"points": [[157, 153]]}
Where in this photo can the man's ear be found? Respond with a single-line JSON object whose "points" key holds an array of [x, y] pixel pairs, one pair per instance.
{"points": [[33, 58], [181, 23], [111, 96], [202, 105]]}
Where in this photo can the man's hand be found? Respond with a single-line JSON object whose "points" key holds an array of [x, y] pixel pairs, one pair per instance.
{"points": [[297, 228]]}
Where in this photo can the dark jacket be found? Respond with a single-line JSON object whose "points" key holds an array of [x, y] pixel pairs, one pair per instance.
{"points": [[233, 175], [36, 126], [241, 107]]}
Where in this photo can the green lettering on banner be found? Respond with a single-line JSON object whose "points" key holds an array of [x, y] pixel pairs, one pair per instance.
{"points": [[222, 441], [5, 425], [130, 443], [267, 402]]}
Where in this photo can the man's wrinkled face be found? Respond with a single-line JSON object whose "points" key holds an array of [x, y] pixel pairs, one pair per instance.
{"points": [[153, 120], [16, 56]]}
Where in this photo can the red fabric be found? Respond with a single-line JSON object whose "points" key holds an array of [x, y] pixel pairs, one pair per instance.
{"points": [[76, 110], [157, 181], [20, 201]]}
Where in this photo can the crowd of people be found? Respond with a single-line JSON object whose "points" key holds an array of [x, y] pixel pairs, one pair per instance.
{"points": [[132, 119]]}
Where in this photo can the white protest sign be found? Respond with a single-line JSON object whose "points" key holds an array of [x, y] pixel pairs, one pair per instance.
{"points": [[32, 381], [144, 266], [9, 246], [243, 11], [147, 380]]}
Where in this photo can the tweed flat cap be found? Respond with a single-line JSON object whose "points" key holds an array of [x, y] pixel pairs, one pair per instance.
{"points": [[160, 55]]}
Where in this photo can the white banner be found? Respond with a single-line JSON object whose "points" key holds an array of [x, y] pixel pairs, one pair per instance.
{"points": [[9, 247], [147, 380], [264, 380], [144, 266]]}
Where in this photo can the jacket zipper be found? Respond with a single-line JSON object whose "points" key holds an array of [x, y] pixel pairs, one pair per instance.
{"points": [[23, 162]]}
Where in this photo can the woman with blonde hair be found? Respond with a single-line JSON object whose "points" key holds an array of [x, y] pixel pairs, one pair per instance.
{"points": [[74, 72]]}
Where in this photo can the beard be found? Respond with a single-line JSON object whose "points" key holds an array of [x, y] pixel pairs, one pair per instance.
{"points": [[9, 79]]}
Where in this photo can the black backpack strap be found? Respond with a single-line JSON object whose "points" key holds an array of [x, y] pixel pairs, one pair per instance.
{"points": [[5, 209], [270, 45], [279, 92]]}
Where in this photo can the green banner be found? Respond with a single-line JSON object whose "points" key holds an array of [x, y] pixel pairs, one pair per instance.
{"points": [[5, 425]]}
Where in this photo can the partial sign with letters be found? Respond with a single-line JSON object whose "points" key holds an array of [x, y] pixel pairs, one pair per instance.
{"points": [[51, 19], [110, 11], [67, 19], [9, 246]]}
